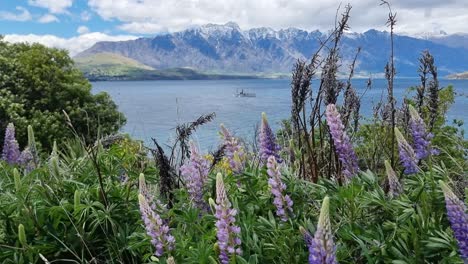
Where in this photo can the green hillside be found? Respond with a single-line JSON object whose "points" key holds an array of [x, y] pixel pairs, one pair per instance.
{"points": [[109, 66], [106, 59]]}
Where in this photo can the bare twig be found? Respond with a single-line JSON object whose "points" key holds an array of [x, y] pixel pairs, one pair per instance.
{"points": [[390, 76], [352, 102]]}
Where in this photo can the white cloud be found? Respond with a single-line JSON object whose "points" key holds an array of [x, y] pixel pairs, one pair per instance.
{"points": [[85, 16], [142, 27], [48, 18], [150, 16], [82, 30], [23, 15], [74, 45], [54, 6]]}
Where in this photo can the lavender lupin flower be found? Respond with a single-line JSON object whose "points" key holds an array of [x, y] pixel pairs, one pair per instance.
{"points": [[322, 249], [143, 189], [11, 152], [421, 138], [227, 231], [282, 202], [394, 188], [407, 155], [341, 141], [155, 204], [308, 238], [26, 159], [233, 150], [195, 172], [155, 228], [267, 142], [456, 212]]}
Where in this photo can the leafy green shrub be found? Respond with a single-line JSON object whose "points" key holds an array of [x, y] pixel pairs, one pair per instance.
{"points": [[37, 84], [65, 218]]}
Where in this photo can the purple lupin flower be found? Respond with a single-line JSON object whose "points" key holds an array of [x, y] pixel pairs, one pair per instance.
{"points": [[394, 186], [456, 213], [267, 142], [195, 172], [154, 203], [308, 238], [227, 231], [11, 152], [156, 228], [282, 202], [342, 144], [407, 156], [421, 137], [322, 249], [233, 150], [26, 159]]}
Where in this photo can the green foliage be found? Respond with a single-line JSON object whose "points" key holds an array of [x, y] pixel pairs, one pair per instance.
{"points": [[373, 143], [37, 84], [61, 211], [64, 217], [75, 207]]}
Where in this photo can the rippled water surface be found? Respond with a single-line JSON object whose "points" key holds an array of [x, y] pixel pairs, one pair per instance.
{"points": [[153, 108]]}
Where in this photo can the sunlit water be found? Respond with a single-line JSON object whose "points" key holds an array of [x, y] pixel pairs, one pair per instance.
{"points": [[154, 108]]}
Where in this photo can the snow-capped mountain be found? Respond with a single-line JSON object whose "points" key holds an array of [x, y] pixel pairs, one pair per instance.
{"points": [[229, 49]]}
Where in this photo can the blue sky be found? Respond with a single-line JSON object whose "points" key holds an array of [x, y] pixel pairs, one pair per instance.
{"points": [[77, 24], [63, 20]]}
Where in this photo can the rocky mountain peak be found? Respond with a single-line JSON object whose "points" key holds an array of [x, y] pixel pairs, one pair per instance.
{"points": [[227, 48]]}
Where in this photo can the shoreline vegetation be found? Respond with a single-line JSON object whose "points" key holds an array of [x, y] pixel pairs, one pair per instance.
{"points": [[325, 188]]}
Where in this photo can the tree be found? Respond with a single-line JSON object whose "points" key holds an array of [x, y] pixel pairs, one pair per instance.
{"points": [[38, 83]]}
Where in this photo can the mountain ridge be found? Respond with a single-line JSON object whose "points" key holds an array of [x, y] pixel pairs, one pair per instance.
{"points": [[227, 48], [113, 67], [459, 76]]}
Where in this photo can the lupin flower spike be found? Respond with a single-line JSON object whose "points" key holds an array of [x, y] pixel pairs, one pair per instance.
{"points": [[11, 152], [407, 155], [233, 150], [26, 159], [341, 141], [282, 201], [227, 232], [421, 138], [267, 140], [322, 249], [171, 260], [153, 202], [156, 228], [456, 212], [394, 186], [195, 172]]}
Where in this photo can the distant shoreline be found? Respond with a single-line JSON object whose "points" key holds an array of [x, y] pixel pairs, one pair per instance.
{"points": [[252, 77], [201, 76], [129, 79]]}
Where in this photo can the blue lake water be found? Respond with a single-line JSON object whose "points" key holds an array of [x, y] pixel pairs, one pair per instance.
{"points": [[153, 108]]}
